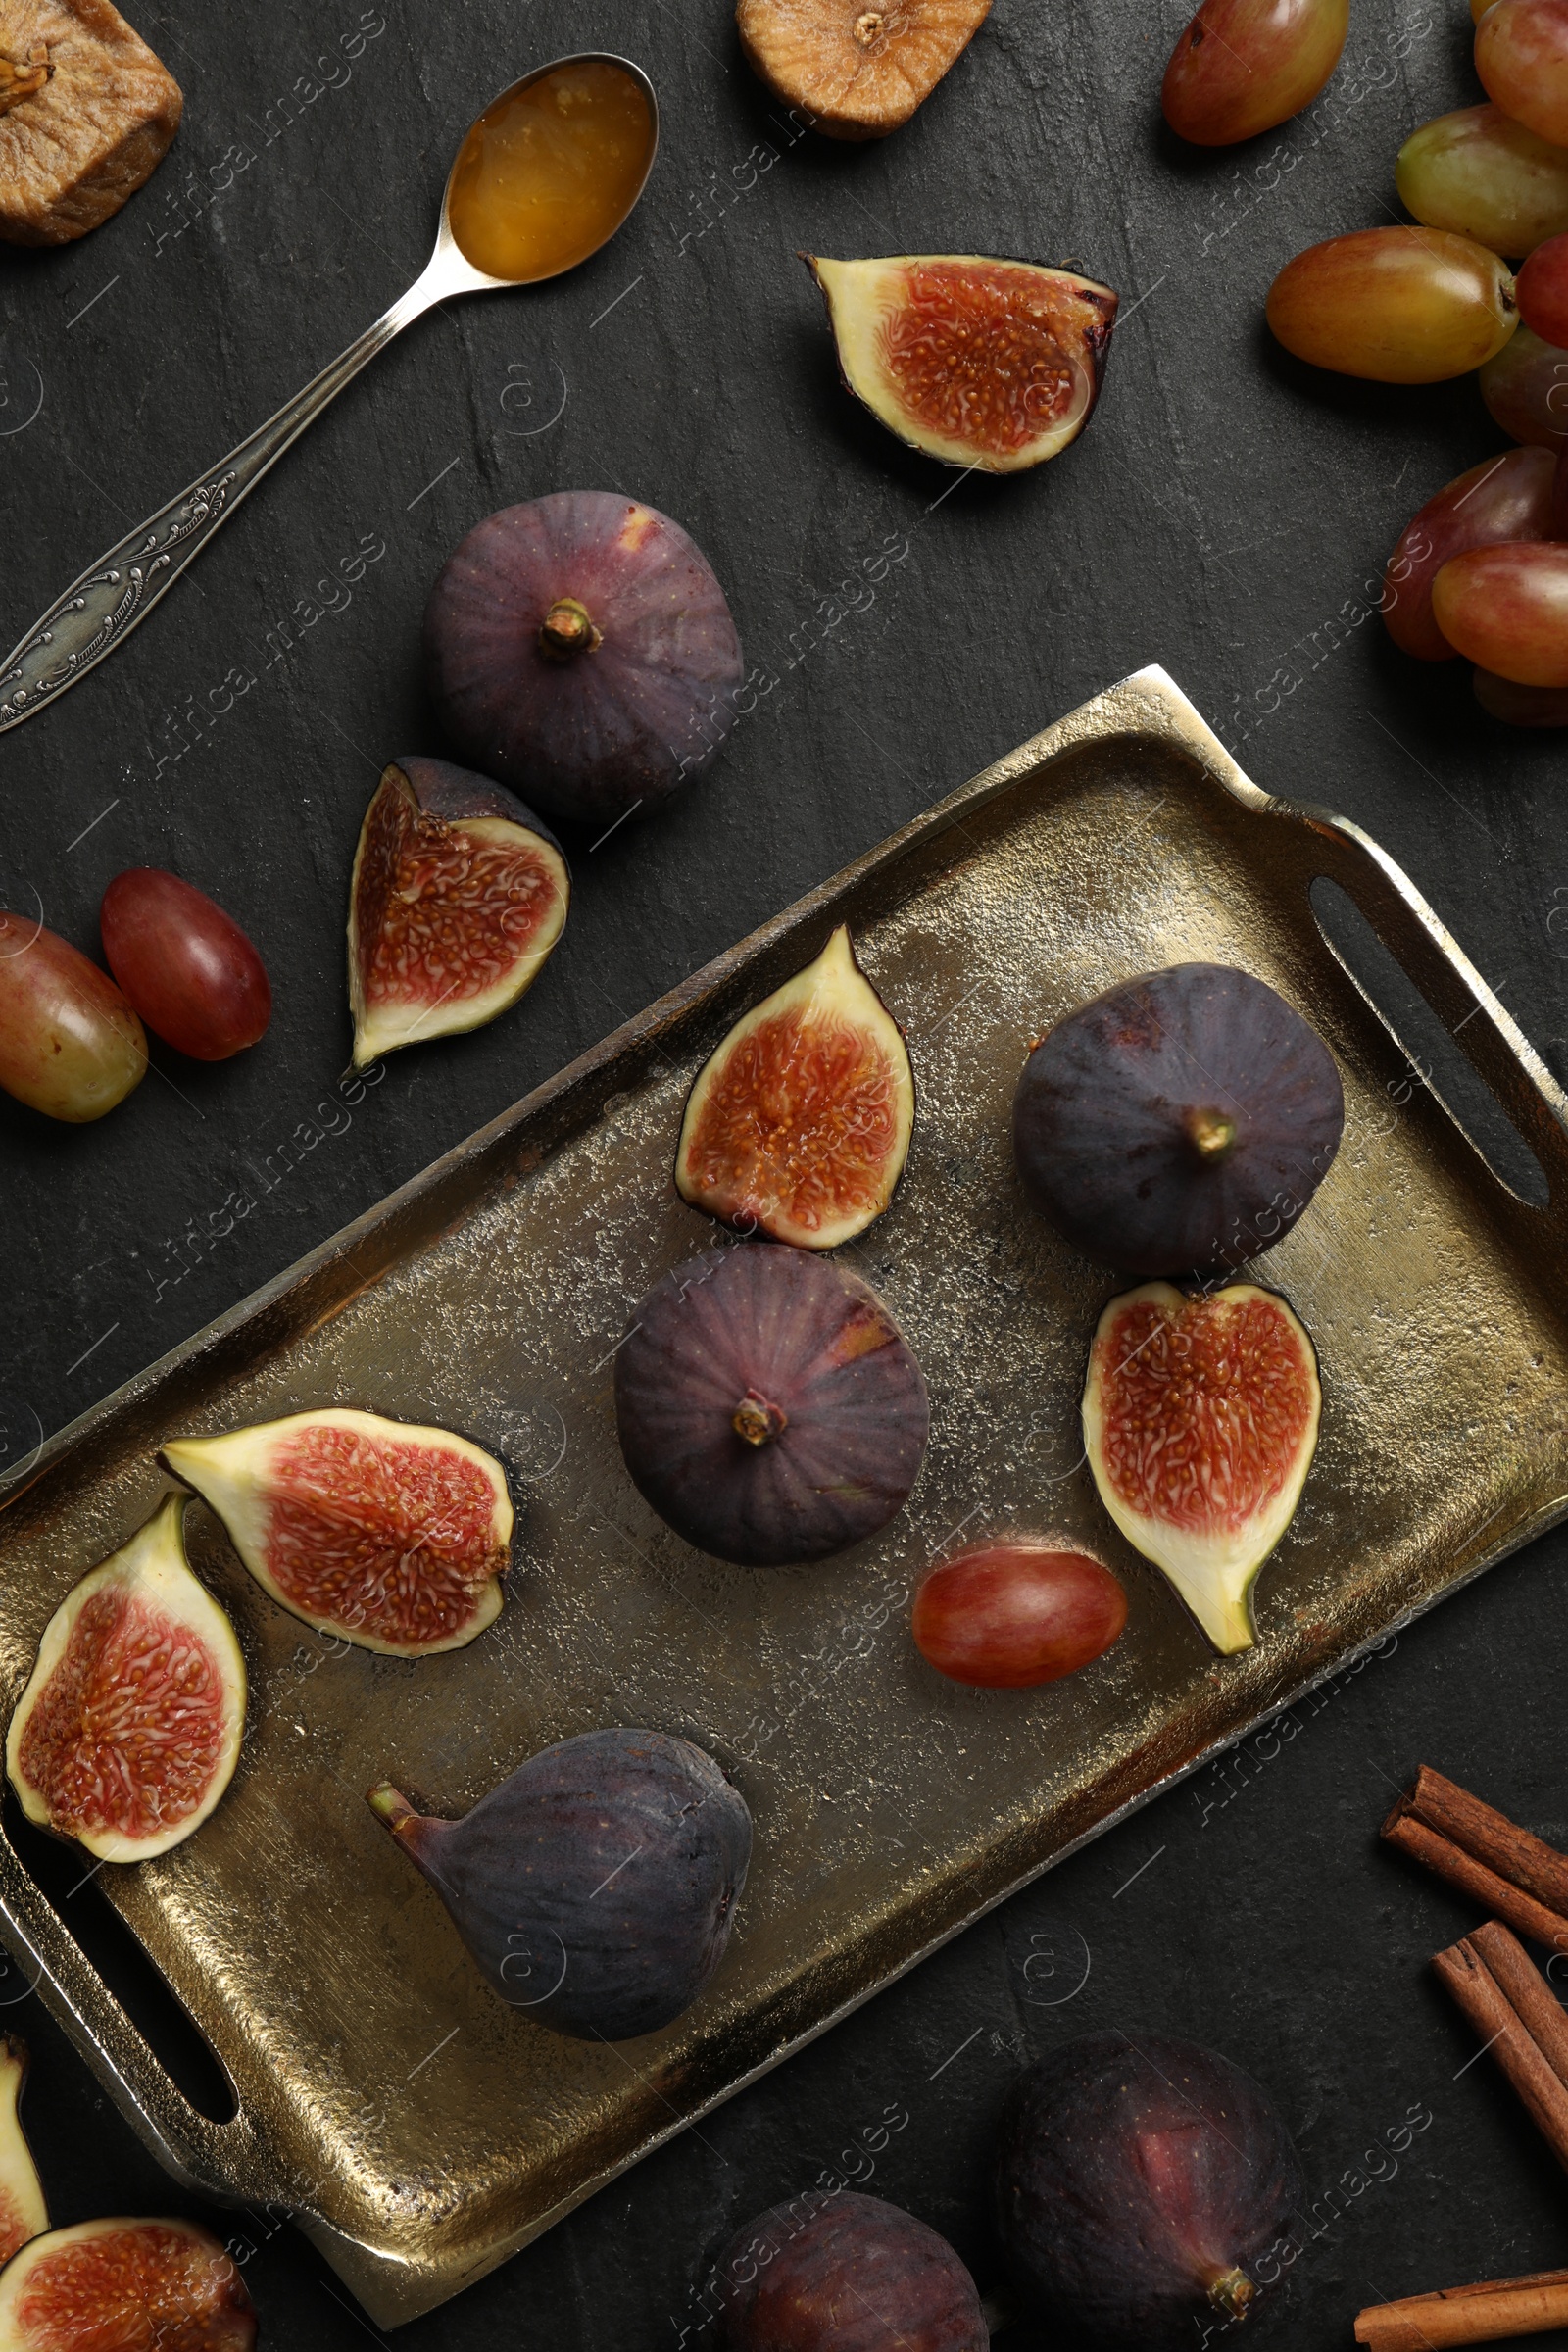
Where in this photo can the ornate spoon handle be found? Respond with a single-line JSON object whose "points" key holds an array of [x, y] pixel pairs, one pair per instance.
{"points": [[99, 611]]}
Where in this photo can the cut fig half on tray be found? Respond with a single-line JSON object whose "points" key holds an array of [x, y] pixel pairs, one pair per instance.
{"points": [[1200, 1421], [985, 363], [128, 1731], [799, 1125], [126, 2285], [459, 895], [23, 2214], [769, 1409], [392, 1535], [858, 68]]}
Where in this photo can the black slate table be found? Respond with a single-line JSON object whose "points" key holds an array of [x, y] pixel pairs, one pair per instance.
{"points": [[1227, 516]]}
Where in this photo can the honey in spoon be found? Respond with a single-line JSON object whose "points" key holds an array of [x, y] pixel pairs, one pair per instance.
{"points": [[551, 171]]}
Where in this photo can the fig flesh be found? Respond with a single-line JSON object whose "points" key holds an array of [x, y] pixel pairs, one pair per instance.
{"points": [[768, 1408], [858, 71], [580, 650], [596, 1886], [1007, 1616], [87, 114], [125, 2287], [800, 1124], [1139, 2180], [24, 2214], [1180, 1122], [1200, 1420], [985, 363], [852, 2273], [458, 895], [130, 1729], [392, 1535]]}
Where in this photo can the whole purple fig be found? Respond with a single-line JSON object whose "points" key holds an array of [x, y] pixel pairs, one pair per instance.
{"points": [[1140, 2181], [596, 1886], [843, 2272]]}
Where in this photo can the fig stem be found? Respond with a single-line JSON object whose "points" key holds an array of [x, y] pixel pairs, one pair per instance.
{"points": [[1211, 1133], [758, 1421], [567, 630], [1233, 2293], [391, 1805]]}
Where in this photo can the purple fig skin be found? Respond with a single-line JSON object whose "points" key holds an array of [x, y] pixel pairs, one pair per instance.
{"points": [[1098, 1120], [807, 1350], [596, 1886], [590, 735], [1141, 2182], [453, 793], [846, 2274]]}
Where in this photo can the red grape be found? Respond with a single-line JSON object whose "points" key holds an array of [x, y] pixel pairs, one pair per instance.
{"points": [[187, 966], [1401, 306], [1521, 59], [1242, 66], [70, 1044], [1506, 609], [1526, 388], [1009, 1615], [1521, 705], [1479, 172], [1542, 291], [1511, 497]]}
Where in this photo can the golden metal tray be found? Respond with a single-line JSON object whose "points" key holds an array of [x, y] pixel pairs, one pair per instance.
{"points": [[420, 2131]]}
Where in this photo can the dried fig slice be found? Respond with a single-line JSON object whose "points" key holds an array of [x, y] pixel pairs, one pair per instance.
{"points": [[129, 1728], [1201, 1419], [985, 363], [800, 1124], [22, 2210], [87, 114], [124, 2286], [857, 70], [768, 1406], [392, 1535], [458, 895]]}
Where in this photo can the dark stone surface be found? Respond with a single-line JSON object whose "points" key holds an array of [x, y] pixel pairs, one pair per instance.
{"points": [[1226, 516]]}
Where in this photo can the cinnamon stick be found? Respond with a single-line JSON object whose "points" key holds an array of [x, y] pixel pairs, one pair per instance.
{"points": [[1526, 1861], [1470, 1981], [1484, 2314], [1526, 1992]]}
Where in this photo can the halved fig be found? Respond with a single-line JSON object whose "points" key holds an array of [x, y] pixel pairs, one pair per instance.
{"points": [[799, 1126], [1200, 1417], [858, 71], [768, 1406], [125, 2286], [459, 895], [22, 2210], [392, 1535], [128, 1731], [984, 363]]}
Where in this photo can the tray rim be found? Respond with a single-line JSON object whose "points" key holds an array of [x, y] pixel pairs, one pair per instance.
{"points": [[203, 2156]]}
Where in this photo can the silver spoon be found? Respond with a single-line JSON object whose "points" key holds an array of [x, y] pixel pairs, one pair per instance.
{"points": [[99, 611]]}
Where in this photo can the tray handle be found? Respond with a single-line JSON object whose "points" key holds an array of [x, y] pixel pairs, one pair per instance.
{"points": [[1424, 948], [226, 2161]]}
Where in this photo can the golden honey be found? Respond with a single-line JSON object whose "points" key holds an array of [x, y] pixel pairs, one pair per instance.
{"points": [[551, 171]]}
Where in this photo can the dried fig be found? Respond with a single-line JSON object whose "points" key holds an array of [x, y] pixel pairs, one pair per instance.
{"points": [[458, 895], [858, 67], [799, 1126], [128, 1731], [990, 365], [391, 1535], [87, 114], [1201, 1419]]}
